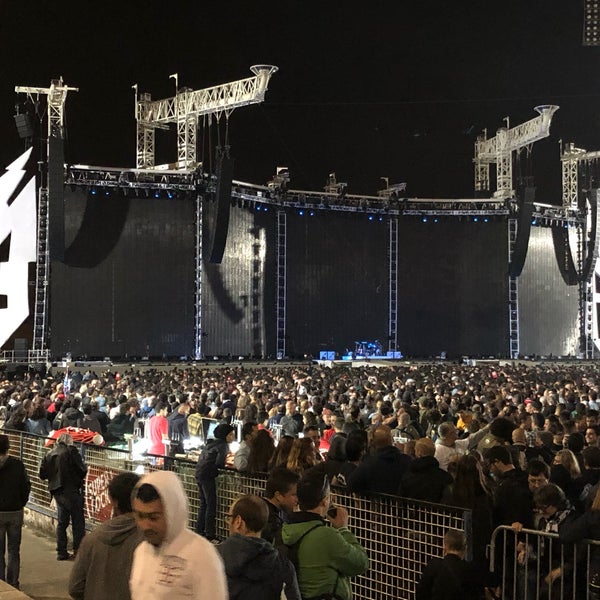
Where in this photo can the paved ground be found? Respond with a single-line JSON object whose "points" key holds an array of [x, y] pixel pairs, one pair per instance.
{"points": [[42, 576]]}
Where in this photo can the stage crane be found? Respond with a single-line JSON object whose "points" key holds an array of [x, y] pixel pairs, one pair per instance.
{"points": [[499, 150], [184, 109]]}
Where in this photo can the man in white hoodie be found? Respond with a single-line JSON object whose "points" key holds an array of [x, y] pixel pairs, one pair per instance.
{"points": [[172, 562]]}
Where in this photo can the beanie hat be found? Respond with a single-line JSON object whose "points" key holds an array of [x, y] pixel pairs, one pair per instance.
{"points": [[222, 431]]}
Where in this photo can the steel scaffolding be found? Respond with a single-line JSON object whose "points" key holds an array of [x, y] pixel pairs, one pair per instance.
{"points": [[281, 282], [393, 285], [513, 294], [198, 272]]}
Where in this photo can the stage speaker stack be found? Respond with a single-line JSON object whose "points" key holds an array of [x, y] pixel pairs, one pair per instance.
{"points": [[223, 197], [523, 232]]}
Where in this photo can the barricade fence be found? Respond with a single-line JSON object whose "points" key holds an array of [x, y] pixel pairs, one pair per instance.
{"points": [[400, 535], [536, 565]]}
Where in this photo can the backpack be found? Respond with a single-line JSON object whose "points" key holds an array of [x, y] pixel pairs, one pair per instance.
{"points": [[291, 553], [207, 463]]}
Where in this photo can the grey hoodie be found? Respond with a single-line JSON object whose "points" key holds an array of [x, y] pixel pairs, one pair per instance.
{"points": [[103, 564]]}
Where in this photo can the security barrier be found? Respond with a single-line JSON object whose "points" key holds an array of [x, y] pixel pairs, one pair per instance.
{"points": [[399, 535], [535, 565]]}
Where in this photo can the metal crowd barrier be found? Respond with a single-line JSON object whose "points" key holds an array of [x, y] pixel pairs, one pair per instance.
{"points": [[399, 535], [526, 565]]}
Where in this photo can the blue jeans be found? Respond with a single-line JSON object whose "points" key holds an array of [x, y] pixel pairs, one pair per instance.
{"points": [[206, 525], [11, 523], [69, 505]]}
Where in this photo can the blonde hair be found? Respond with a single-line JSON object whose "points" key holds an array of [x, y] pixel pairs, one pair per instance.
{"points": [[569, 461]]}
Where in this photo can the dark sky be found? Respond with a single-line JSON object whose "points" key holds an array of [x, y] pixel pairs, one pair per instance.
{"points": [[395, 88]]}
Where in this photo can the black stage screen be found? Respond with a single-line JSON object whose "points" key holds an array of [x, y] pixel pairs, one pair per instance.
{"points": [[337, 282], [129, 289], [238, 294], [452, 287], [547, 306]]}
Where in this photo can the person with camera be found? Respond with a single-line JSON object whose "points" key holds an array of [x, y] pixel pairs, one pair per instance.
{"points": [[325, 557]]}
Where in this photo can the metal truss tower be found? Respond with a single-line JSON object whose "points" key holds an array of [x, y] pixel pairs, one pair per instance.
{"points": [[198, 272], [184, 109], [281, 282], [393, 285], [56, 97], [513, 295], [499, 150]]}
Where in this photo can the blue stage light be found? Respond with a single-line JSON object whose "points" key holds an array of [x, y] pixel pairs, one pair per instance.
{"points": [[485, 220], [93, 191], [424, 219], [157, 194], [380, 219], [475, 219], [371, 217], [436, 220], [301, 213], [312, 213]]}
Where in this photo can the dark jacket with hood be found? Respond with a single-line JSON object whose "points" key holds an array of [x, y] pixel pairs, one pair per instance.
{"points": [[212, 459], [380, 473], [424, 480], [103, 564], [255, 570]]}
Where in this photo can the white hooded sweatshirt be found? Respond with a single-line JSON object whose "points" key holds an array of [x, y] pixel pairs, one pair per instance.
{"points": [[185, 565]]}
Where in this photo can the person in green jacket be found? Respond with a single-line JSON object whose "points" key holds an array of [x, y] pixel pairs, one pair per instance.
{"points": [[325, 557]]}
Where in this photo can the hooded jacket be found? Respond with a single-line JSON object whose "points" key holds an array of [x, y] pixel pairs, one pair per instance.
{"points": [[185, 565], [255, 570], [105, 555], [326, 557]]}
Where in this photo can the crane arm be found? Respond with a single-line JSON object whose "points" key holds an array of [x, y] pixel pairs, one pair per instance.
{"points": [[212, 100], [518, 137]]}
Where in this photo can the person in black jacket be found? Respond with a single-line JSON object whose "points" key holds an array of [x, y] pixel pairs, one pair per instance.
{"points": [[14, 492], [65, 471], [450, 578], [424, 480], [255, 569], [381, 472], [210, 461]]}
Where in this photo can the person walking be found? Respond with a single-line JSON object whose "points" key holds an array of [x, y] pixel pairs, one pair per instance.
{"points": [[14, 492], [65, 472]]}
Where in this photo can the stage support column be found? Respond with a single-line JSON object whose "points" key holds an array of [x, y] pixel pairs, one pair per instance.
{"points": [[281, 282], [198, 273], [513, 294], [393, 285]]}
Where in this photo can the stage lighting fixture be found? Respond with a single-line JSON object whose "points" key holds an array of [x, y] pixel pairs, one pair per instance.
{"points": [[424, 220], [485, 220], [436, 220], [380, 219], [475, 219], [170, 194], [591, 23], [301, 212], [157, 193], [312, 213], [93, 191], [107, 192], [371, 217]]}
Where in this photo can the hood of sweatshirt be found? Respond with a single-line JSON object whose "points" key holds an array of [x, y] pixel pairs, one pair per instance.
{"points": [[175, 505]]}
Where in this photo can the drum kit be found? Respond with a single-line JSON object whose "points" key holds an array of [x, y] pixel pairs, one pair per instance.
{"points": [[366, 348]]}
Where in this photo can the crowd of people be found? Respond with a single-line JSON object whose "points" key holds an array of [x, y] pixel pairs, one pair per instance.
{"points": [[516, 444]]}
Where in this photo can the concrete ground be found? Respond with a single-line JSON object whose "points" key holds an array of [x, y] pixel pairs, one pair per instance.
{"points": [[42, 576]]}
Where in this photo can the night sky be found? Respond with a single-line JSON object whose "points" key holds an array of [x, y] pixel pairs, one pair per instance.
{"points": [[397, 89]]}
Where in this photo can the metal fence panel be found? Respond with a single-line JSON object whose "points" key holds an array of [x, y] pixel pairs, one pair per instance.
{"points": [[400, 535]]}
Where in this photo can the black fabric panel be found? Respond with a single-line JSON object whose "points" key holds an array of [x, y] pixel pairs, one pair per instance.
{"points": [[548, 307], [100, 230], [140, 299], [337, 273], [453, 287]]}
